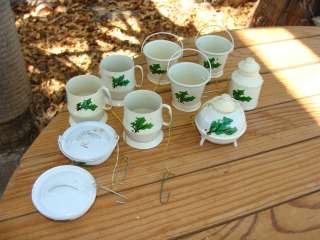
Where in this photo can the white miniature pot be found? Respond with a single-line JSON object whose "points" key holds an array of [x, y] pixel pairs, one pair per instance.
{"points": [[142, 119], [89, 142], [221, 120], [118, 75], [216, 48], [158, 54], [188, 81], [87, 99], [246, 84]]}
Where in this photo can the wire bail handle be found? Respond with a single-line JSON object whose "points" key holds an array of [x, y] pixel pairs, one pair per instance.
{"points": [[189, 49], [220, 26], [163, 33]]}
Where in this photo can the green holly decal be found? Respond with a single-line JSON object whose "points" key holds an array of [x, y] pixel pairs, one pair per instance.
{"points": [[86, 105], [119, 81], [140, 124], [222, 126], [213, 63], [183, 96], [239, 95], [156, 69]]}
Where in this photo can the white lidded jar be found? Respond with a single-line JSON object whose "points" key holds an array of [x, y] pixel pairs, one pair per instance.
{"points": [[246, 83]]}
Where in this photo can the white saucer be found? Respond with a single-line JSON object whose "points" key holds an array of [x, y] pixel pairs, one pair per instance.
{"points": [[103, 119], [190, 109], [64, 192], [157, 81], [143, 145]]}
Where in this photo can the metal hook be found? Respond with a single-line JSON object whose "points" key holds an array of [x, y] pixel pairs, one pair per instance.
{"points": [[126, 170], [166, 175], [123, 200]]}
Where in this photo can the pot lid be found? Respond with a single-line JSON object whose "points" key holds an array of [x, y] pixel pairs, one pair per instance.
{"points": [[223, 104], [249, 65], [64, 192], [88, 141]]}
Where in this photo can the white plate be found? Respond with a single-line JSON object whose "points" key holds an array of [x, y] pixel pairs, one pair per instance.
{"points": [[90, 142], [64, 192]]}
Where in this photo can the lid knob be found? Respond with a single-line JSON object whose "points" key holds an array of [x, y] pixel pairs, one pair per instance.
{"points": [[249, 65]]}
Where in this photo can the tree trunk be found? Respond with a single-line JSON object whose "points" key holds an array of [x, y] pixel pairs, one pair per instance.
{"points": [[15, 91], [285, 12]]}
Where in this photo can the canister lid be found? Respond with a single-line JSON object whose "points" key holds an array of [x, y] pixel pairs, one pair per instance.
{"points": [[249, 65]]}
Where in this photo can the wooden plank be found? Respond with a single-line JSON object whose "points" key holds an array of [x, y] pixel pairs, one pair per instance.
{"points": [[307, 130], [299, 51], [198, 200], [282, 86], [40, 154], [295, 220], [273, 57], [256, 36], [269, 128]]}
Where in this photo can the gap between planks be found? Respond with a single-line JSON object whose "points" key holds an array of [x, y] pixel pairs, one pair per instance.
{"points": [[214, 165], [292, 193]]}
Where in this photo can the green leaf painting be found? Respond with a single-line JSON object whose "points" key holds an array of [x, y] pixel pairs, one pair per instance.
{"points": [[119, 81], [140, 124], [183, 96], [213, 62], [156, 69], [86, 105], [239, 95], [222, 126]]}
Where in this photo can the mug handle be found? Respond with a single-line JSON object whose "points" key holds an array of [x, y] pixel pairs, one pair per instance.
{"points": [[107, 94], [141, 71], [170, 114]]}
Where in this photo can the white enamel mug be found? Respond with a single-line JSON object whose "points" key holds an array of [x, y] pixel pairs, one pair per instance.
{"points": [[158, 54], [143, 119], [118, 75], [188, 81], [87, 99], [216, 48]]}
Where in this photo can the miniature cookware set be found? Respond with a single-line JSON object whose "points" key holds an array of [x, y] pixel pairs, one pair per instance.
{"points": [[67, 192]]}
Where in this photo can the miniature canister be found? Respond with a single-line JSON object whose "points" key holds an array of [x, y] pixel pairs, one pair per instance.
{"points": [[246, 83]]}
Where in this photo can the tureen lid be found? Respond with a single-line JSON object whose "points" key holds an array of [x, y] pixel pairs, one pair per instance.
{"points": [[249, 65], [223, 104]]}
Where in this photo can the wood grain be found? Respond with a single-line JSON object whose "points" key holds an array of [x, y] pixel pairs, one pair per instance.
{"points": [[282, 86], [213, 184], [269, 128], [39, 157], [198, 200], [272, 57], [256, 36], [295, 220]]}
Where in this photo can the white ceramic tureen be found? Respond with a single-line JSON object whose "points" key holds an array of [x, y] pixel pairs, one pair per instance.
{"points": [[90, 142], [221, 120]]}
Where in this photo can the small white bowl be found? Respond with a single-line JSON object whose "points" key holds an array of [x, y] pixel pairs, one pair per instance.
{"points": [[216, 109], [90, 142], [64, 192]]}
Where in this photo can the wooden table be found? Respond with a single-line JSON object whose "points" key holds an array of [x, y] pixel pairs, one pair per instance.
{"points": [[267, 188]]}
